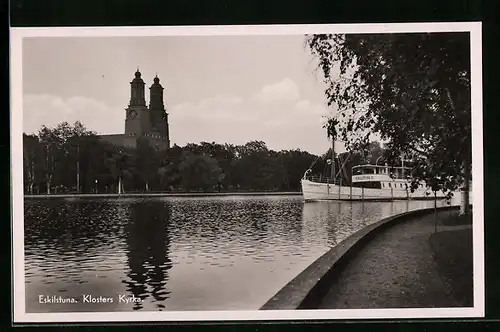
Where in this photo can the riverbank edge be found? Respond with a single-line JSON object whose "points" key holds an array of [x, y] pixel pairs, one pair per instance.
{"points": [[128, 195], [307, 289]]}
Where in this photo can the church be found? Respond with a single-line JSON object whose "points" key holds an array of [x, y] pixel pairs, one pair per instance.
{"points": [[141, 121]]}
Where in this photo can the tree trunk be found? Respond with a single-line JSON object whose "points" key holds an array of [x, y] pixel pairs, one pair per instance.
{"points": [[435, 212], [464, 201], [50, 168], [32, 179], [78, 168]]}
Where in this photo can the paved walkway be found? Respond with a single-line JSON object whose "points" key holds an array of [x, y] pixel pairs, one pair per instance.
{"points": [[394, 270]]}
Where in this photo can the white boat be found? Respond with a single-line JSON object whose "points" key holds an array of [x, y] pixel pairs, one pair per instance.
{"points": [[369, 183]]}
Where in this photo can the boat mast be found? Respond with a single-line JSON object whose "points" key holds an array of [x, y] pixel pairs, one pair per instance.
{"points": [[402, 165], [333, 160]]}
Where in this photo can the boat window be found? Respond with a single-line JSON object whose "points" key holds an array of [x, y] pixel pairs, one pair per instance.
{"points": [[368, 171], [383, 184], [390, 185], [401, 185], [368, 184]]}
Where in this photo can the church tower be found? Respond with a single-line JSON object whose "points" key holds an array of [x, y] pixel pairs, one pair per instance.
{"points": [[158, 115], [149, 124], [137, 118], [137, 97]]}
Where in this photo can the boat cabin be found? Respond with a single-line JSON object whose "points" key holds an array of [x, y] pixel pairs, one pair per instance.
{"points": [[373, 176], [380, 177], [392, 172]]}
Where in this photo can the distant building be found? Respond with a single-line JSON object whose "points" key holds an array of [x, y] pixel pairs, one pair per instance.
{"points": [[142, 121]]}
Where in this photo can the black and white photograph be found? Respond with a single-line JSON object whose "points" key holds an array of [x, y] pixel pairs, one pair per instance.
{"points": [[285, 172]]}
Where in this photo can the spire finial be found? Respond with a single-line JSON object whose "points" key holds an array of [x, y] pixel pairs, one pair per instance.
{"points": [[137, 73], [156, 80]]}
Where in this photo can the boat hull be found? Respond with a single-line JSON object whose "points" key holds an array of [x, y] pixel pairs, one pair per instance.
{"points": [[314, 191]]}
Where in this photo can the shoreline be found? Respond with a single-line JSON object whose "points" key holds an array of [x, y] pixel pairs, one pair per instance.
{"points": [[310, 286], [166, 194]]}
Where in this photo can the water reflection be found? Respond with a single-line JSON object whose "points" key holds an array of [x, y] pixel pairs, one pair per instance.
{"points": [[338, 220], [213, 253], [53, 226], [147, 238]]}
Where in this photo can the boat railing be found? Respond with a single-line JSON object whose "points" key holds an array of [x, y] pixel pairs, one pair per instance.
{"points": [[393, 176], [396, 173], [322, 179]]}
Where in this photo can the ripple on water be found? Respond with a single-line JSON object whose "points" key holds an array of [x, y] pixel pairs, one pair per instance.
{"points": [[185, 253]]}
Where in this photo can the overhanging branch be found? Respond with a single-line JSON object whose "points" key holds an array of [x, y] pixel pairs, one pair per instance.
{"points": [[422, 153], [448, 94]]}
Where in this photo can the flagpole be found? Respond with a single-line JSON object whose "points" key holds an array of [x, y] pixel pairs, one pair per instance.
{"points": [[333, 160]]}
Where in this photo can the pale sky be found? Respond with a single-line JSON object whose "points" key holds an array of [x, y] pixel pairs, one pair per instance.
{"points": [[227, 89]]}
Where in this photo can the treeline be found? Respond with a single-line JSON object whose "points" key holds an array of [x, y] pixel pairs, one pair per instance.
{"points": [[70, 158]]}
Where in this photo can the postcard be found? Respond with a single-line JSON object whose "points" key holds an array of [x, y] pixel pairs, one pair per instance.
{"points": [[239, 173]]}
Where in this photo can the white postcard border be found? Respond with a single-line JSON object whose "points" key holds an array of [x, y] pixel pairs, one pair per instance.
{"points": [[19, 314]]}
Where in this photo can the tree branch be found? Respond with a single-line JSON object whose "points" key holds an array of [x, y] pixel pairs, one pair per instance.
{"points": [[448, 94], [422, 153]]}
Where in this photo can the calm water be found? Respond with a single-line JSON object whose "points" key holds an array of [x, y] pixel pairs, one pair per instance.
{"points": [[211, 253]]}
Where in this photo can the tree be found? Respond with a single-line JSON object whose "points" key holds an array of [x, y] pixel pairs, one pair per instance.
{"points": [[169, 167], [198, 171], [295, 162], [89, 153], [52, 147], [225, 156], [146, 159], [72, 157], [411, 89], [31, 159], [375, 153], [252, 168], [126, 167]]}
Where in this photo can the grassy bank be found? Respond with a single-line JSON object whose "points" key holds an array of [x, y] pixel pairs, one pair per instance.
{"points": [[455, 220], [452, 251]]}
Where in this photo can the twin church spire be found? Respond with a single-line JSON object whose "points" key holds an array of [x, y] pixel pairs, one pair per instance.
{"points": [[150, 122], [137, 93]]}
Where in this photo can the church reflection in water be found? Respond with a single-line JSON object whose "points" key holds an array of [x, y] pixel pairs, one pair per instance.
{"points": [[147, 237]]}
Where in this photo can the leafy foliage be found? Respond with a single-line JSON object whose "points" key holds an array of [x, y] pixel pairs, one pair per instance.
{"points": [[70, 158], [198, 171], [53, 159], [413, 90]]}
